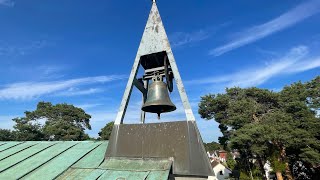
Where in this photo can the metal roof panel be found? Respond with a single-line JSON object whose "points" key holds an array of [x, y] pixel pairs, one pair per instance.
{"points": [[18, 157], [94, 158], [28, 165], [6, 145], [62, 162], [124, 175], [16, 149], [136, 164], [75, 160], [79, 174]]}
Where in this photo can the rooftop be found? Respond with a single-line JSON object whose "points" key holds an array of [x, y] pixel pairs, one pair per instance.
{"points": [[74, 160]]}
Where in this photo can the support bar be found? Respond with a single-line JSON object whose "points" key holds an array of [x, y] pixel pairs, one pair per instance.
{"points": [[139, 84]]}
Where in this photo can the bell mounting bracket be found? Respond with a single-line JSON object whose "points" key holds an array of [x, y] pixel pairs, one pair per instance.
{"points": [[164, 71]]}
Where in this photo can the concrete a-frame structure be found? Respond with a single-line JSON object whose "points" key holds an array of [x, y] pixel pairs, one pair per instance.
{"points": [[154, 40], [178, 141]]}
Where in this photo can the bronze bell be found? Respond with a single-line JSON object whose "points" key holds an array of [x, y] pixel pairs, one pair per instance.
{"points": [[158, 100]]}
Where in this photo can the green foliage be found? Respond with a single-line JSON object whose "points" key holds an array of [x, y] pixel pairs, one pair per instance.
{"points": [[7, 135], [27, 130], [277, 165], [244, 176], [231, 163], [265, 124], [212, 146], [105, 132], [61, 122]]}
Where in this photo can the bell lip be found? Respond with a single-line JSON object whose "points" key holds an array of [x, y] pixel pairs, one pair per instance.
{"points": [[150, 107]]}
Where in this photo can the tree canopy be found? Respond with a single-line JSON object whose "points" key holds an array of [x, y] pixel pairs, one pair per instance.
{"points": [[105, 132], [282, 127], [7, 135], [51, 122], [212, 146]]}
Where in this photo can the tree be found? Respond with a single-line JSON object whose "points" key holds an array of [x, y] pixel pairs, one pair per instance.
{"points": [[62, 122], [212, 146], [7, 135], [281, 127], [105, 132], [27, 130]]}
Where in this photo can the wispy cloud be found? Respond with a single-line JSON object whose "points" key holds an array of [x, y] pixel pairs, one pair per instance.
{"points": [[296, 60], [87, 106], [267, 52], [8, 3], [282, 22], [29, 90], [178, 39], [305, 65], [48, 70], [7, 49], [76, 92], [183, 38]]}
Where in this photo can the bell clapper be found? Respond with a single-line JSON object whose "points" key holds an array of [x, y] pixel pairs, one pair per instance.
{"points": [[158, 116]]}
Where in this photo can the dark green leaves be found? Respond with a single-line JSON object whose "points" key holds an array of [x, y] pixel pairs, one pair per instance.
{"points": [[52, 122], [105, 132], [267, 125]]}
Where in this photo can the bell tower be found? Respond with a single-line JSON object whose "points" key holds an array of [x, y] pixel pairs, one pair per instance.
{"points": [[179, 141], [156, 57]]}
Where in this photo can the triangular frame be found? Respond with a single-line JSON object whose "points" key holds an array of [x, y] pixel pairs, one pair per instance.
{"points": [[180, 141], [154, 40]]}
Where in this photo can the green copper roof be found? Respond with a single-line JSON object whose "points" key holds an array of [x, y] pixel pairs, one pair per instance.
{"points": [[74, 160]]}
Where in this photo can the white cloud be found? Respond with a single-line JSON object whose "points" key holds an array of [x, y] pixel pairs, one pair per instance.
{"points": [[76, 92], [29, 90], [182, 38], [48, 70], [282, 22], [294, 61], [23, 48], [178, 39], [88, 105], [8, 3], [305, 65]]}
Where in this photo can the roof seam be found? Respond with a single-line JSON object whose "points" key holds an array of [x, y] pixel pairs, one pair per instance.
{"points": [[76, 161], [12, 146], [18, 151], [101, 175], [27, 157], [87, 154], [47, 161]]}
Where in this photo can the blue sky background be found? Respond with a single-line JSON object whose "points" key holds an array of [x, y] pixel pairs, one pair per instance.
{"points": [[81, 52]]}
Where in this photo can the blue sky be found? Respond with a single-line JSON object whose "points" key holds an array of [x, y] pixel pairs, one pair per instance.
{"points": [[81, 52]]}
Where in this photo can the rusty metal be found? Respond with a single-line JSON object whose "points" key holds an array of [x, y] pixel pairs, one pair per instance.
{"points": [[180, 140]]}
